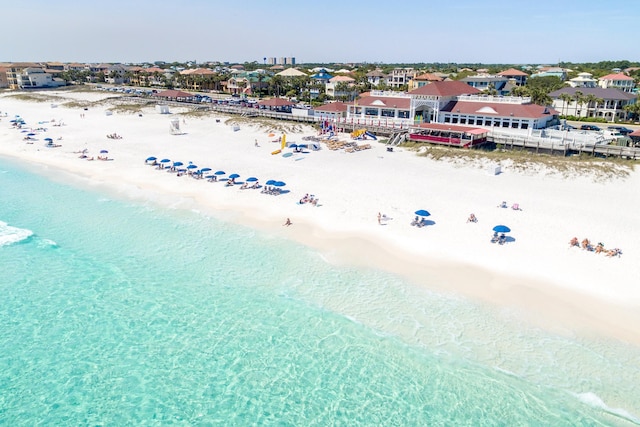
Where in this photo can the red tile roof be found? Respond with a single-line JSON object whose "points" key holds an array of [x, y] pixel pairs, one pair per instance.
{"points": [[334, 107], [275, 102], [618, 76], [383, 101], [499, 109], [429, 77], [173, 94], [445, 89], [512, 72]]}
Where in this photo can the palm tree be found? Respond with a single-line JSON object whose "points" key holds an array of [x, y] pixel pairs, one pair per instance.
{"points": [[566, 99], [579, 97], [588, 100]]}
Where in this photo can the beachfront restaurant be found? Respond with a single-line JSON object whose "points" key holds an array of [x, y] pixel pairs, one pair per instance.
{"points": [[447, 134], [377, 110]]}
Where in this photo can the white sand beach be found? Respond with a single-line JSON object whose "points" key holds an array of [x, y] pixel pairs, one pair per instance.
{"points": [[568, 289]]}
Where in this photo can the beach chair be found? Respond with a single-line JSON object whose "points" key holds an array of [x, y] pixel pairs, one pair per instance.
{"points": [[495, 238]]}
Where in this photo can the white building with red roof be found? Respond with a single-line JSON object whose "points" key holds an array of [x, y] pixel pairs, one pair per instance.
{"points": [[520, 77], [617, 81]]}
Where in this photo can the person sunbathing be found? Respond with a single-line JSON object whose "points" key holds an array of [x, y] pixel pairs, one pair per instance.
{"points": [[472, 218], [502, 239], [229, 183], [585, 244], [574, 242], [614, 252], [599, 248], [244, 186]]}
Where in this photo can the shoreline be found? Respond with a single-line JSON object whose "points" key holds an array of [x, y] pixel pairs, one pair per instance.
{"points": [[347, 233]]}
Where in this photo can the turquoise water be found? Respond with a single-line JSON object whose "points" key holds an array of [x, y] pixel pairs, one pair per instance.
{"points": [[121, 313]]}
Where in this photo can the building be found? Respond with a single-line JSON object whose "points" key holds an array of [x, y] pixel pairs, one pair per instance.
{"points": [[331, 111], [561, 73], [427, 101], [37, 78], [583, 80], [488, 83], [376, 77], [520, 77], [497, 112], [617, 81], [14, 69], [341, 87], [423, 80], [198, 79], [383, 108], [592, 102], [4, 83], [400, 77]]}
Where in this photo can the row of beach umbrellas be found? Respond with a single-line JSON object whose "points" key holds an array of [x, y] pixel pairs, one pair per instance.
{"points": [[191, 166]]}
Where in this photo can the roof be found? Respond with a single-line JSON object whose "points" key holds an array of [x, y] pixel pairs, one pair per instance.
{"points": [[334, 107], [512, 72], [197, 72], [429, 77], [455, 128], [499, 109], [275, 102], [173, 94], [337, 79], [609, 93], [618, 76], [291, 72], [445, 88], [635, 133], [384, 101], [375, 73]]}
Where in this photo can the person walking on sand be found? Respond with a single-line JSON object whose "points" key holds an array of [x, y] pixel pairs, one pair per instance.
{"points": [[256, 144], [287, 223], [379, 218]]}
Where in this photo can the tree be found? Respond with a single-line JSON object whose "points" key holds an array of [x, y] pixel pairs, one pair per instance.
{"points": [[578, 96], [566, 99]]}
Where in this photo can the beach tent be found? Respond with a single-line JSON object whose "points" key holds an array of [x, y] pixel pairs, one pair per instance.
{"points": [[162, 109]]}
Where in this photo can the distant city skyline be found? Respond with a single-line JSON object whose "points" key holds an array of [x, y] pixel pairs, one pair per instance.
{"points": [[465, 31]]}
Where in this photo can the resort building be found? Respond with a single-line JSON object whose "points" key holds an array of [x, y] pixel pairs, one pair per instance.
{"points": [[617, 81], [331, 111], [583, 80], [427, 101], [37, 78], [151, 76], [247, 83], [520, 77], [13, 70], [497, 112], [379, 107], [592, 102]]}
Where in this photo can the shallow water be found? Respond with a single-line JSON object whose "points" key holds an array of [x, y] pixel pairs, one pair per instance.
{"points": [[117, 313]]}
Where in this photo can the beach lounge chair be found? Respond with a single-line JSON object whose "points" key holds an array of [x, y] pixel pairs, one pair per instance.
{"points": [[502, 239], [495, 238]]}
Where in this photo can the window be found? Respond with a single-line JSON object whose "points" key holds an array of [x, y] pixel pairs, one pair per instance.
{"points": [[403, 114], [387, 113], [370, 111]]}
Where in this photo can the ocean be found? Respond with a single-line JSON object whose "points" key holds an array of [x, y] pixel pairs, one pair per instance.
{"points": [[121, 312]]}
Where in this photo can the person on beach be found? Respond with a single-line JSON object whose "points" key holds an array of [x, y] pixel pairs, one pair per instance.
{"points": [[256, 144], [287, 222], [574, 242], [472, 218], [379, 218]]}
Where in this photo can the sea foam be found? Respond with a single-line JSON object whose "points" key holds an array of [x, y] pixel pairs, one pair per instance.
{"points": [[10, 235]]}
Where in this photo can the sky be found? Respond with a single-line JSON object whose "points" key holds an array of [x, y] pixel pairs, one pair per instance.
{"points": [[322, 31]]}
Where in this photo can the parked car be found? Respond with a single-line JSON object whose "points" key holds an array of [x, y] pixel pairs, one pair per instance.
{"points": [[620, 129], [589, 127]]}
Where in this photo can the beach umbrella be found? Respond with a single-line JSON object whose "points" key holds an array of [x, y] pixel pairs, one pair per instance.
{"points": [[220, 173], [192, 166], [270, 182], [151, 159], [422, 212], [234, 176], [176, 164], [252, 179], [279, 184], [501, 229], [293, 146], [103, 151], [165, 161], [271, 135], [205, 169], [31, 134], [49, 139]]}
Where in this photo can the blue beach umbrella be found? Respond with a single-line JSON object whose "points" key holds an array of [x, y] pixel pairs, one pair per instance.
{"points": [[501, 229], [103, 151], [279, 184], [151, 159], [205, 169], [270, 182], [220, 173], [192, 166], [234, 176], [422, 212], [165, 161], [31, 134], [49, 139], [176, 164], [252, 179]]}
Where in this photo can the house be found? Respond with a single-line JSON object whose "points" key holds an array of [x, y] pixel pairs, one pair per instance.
{"points": [[423, 80], [198, 79], [583, 80], [4, 82], [400, 77], [37, 78], [341, 87], [488, 83], [605, 103], [376, 77], [14, 69], [247, 83], [520, 77], [561, 73], [617, 81]]}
